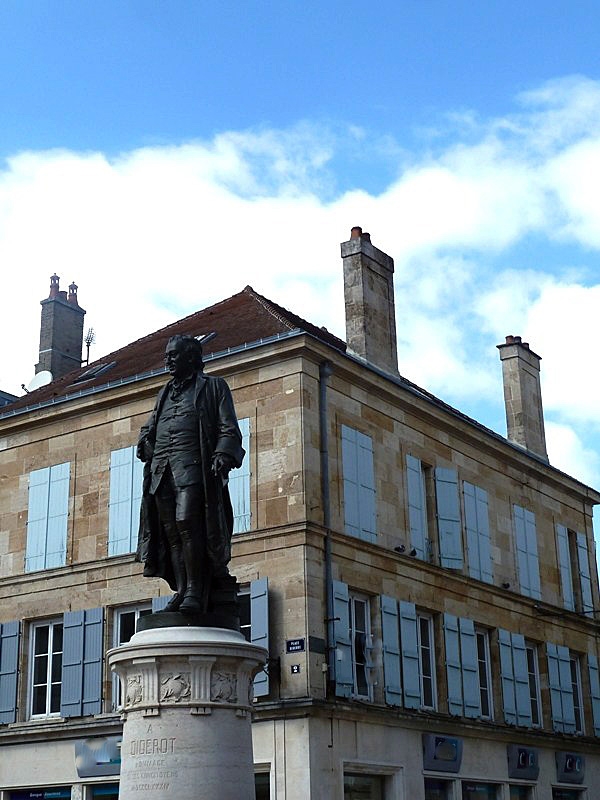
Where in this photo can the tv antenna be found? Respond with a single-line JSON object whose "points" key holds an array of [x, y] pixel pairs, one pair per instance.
{"points": [[90, 338]]}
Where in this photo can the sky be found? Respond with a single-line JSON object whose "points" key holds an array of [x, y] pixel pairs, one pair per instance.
{"points": [[163, 155]]}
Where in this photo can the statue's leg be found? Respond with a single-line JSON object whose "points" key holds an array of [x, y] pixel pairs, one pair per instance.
{"points": [[195, 600], [165, 504]]}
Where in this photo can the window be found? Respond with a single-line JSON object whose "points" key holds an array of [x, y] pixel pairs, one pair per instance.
{"points": [[253, 603], [126, 476], [360, 643], [239, 484], [47, 517], [576, 687], [262, 785], [533, 677], [567, 794], [560, 679], [519, 792], [574, 567], [473, 790], [359, 484], [479, 551], [363, 787], [125, 621], [426, 660], [527, 552], [436, 789], [46, 652], [484, 672]]}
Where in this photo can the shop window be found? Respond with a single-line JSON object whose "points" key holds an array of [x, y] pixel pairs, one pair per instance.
{"points": [[126, 476], [436, 789], [519, 792], [103, 792], [50, 793], [473, 790], [48, 511], [363, 787], [567, 794], [46, 651]]}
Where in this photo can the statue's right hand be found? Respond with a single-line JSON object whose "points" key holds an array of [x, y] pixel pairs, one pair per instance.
{"points": [[144, 450]]}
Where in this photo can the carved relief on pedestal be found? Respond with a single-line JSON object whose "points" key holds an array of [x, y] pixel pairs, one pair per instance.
{"points": [[134, 692], [174, 687], [223, 687]]}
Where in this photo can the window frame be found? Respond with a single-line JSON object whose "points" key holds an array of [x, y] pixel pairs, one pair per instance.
{"points": [[485, 664], [577, 693], [533, 677], [423, 617], [138, 610], [365, 666], [52, 624]]}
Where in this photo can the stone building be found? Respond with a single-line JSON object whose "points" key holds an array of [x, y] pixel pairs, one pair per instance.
{"points": [[427, 589]]}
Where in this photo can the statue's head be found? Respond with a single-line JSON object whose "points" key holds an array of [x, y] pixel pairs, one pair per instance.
{"points": [[183, 355]]}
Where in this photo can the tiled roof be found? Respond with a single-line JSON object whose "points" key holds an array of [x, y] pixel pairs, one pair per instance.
{"points": [[244, 318]]}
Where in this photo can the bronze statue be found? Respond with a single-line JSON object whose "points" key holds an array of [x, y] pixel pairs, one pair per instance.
{"points": [[190, 443]]}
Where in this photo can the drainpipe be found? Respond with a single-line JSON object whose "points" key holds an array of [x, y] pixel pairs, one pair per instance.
{"points": [[325, 371]]}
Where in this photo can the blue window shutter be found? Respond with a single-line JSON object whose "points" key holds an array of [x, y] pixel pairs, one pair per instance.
{"points": [[123, 513], [453, 665], [448, 518], [527, 554], [391, 651], [409, 644], [9, 668], [564, 566], [555, 688], [136, 502], [470, 668], [344, 679], [479, 550], [584, 575], [595, 691], [37, 519], [532, 555], [561, 691], [58, 512], [81, 691], [158, 603], [239, 484], [359, 484], [417, 509], [521, 680], [507, 677], [366, 488], [259, 629]]}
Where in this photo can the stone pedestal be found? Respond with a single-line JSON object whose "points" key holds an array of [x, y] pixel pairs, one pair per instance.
{"points": [[187, 694]]}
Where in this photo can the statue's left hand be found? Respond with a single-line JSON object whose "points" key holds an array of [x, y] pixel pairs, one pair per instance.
{"points": [[222, 464]]}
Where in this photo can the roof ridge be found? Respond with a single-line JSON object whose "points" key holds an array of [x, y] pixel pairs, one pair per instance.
{"points": [[268, 306]]}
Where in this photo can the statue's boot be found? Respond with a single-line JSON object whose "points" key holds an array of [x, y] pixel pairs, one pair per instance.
{"points": [[180, 578], [195, 600]]}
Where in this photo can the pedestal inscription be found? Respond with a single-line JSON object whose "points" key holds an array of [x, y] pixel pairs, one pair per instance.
{"points": [[187, 703]]}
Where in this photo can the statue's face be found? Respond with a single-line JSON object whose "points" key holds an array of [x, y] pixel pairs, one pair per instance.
{"points": [[176, 360]]}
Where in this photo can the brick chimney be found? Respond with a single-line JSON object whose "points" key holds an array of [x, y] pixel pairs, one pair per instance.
{"points": [[369, 299], [523, 396], [61, 331]]}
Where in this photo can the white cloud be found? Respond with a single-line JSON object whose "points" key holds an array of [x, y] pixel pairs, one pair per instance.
{"points": [[568, 453]]}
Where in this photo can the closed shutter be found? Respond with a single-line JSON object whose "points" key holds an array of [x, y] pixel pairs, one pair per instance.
{"points": [[126, 478], [470, 668], [507, 677], [585, 579], [259, 629], [479, 551], [448, 518], [595, 691], [527, 553], [58, 511], [564, 566], [417, 509], [239, 484], [521, 678], [81, 691], [359, 484], [453, 665], [48, 510], [391, 651], [9, 667], [561, 690], [409, 648]]}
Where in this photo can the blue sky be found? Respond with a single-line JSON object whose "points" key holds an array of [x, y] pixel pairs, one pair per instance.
{"points": [[165, 154]]}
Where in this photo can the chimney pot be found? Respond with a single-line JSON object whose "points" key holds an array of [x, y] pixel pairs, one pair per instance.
{"points": [[366, 236], [356, 232], [54, 285]]}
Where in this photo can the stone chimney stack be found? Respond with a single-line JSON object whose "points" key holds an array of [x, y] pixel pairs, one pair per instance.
{"points": [[523, 396], [369, 299], [61, 331]]}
